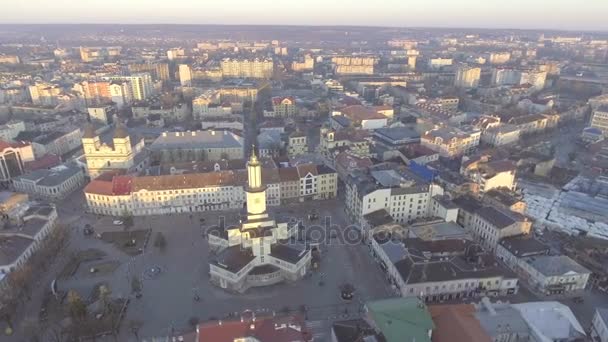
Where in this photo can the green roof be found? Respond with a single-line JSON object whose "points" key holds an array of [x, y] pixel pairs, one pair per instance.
{"points": [[401, 319]]}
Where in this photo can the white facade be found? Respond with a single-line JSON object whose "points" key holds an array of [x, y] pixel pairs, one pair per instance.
{"points": [[52, 184], [45, 222], [450, 142], [403, 204], [504, 134], [555, 274], [599, 325]]}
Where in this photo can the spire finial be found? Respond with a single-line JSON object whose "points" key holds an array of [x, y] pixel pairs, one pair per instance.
{"points": [[253, 159]]}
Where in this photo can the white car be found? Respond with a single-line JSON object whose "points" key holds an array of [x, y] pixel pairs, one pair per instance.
{"points": [[117, 222]]}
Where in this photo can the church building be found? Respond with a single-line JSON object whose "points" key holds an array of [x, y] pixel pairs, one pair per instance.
{"points": [[121, 153]]}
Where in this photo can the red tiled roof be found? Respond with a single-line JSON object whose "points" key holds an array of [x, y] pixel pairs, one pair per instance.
{"points": [[45, 162], [359, 113], [99, 187], [4, 145], [457, 322], [278, 99], [269, 329], [121, 185]]}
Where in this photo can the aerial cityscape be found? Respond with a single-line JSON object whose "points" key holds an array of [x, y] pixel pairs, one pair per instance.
{"points": [[193, 173]]}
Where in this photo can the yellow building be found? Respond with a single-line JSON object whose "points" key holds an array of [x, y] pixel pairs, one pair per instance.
{"points": [[101, 157]]}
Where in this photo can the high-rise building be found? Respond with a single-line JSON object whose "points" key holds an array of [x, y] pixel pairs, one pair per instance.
{"points": [[467, 76], [176, 53], [98, 54], [185, 75], [159, 71], [354, 65], [247, 68], [140, 84], [499, 57]]}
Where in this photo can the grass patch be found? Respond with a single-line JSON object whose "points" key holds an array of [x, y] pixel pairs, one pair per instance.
{"points": [[130, 242]]}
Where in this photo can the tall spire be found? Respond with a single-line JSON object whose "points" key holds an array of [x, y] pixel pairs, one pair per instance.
{"points": [[253, 160]]}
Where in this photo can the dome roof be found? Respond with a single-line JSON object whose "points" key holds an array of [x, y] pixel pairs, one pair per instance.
{"points": [[89, 132]]}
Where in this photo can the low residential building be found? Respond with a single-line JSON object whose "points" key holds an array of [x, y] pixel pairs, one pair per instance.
{"points": [[451, 142], [404, 198], [102, 114], [490, 225], [396, 137], [504, 198], [51, 184], [489, 174], [599, 325], [435, 271], [434, 229], [55, 142], [501, 135], [555, 274], [367, 117], [551, 321], [297, 144], [332, 142], [346, 163], [11, 129], [417, 153], [283, 107], [502, 321], [529, 124], [444, 208], [514, 250], [197, 145], [20, 241]]}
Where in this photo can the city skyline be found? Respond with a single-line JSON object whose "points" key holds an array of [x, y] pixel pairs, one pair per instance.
{"points": [[540, 14]]}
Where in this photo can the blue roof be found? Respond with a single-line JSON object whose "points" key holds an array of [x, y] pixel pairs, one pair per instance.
{"points": [[592, 130]]}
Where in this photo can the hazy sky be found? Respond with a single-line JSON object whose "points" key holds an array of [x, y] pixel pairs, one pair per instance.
{"points": [[564, 14]]}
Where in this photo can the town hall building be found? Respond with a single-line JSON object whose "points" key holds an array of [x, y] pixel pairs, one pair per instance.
{"points": [[259, 251]]}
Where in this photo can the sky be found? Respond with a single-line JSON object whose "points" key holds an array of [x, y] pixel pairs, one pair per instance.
{"points": [[548, 14]]}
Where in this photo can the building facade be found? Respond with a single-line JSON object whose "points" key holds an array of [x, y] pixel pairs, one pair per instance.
{"points": [[250, 254], [120, 154]]}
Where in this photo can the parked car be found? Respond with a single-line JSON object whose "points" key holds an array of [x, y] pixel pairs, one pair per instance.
{"points": [[117, 222]]}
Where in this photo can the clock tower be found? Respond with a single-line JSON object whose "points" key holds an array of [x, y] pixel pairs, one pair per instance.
{"points": [[256, 191]]}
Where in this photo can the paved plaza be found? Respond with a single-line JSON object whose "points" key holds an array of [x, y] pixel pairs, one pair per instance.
{"points": [[173, 277]]}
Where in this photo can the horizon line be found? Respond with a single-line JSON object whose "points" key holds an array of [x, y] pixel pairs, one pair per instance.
{"points": [[505, 28]]}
